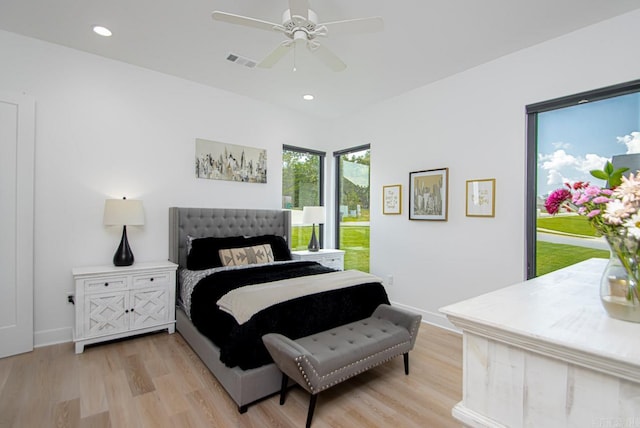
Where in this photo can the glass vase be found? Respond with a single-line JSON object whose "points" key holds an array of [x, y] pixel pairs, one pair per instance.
{"points": [[619, 286]]}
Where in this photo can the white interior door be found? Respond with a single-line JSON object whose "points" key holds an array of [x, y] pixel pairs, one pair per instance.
{"points": [[17, 123]]}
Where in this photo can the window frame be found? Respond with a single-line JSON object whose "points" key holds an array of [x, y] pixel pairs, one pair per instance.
{"points": [[532, 111], [321, 176], [336, 162]]}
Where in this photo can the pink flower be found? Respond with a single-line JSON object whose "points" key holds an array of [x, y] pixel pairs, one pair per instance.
{"points": [[592, 191], [593, 213], [579, 199], [556, 199]]}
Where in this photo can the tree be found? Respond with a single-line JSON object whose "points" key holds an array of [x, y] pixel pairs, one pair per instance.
{"points": [[300, 178]]}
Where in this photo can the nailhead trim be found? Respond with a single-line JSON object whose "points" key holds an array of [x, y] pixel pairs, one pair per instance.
{"points": [[315, 390]]}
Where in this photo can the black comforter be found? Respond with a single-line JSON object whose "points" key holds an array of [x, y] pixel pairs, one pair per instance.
{"points": [[241, 345]]}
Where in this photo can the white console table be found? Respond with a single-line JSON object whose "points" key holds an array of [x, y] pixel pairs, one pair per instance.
{"points": [[544, 353]]}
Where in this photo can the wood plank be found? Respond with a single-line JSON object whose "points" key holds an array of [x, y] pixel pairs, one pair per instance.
{"points": [[139, 380], [66, 414], [90, 374], [157, 380]]}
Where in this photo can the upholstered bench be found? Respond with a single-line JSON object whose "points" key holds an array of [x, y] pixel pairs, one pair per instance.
{"points": [[324, 359]]}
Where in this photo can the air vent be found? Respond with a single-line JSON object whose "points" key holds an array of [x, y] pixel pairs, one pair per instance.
{"points": [[242, 61]]}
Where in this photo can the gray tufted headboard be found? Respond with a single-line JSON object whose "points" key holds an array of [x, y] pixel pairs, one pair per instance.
{"points": [[222, 222]]}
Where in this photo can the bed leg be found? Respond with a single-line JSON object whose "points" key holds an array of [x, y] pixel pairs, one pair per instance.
{"points": [[283, 388], [312, 406], [243, 409], [406, 363]]}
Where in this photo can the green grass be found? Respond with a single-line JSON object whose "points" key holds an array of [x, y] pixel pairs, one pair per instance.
{"points": [[575, 224], [550, 257], [353, 239]]}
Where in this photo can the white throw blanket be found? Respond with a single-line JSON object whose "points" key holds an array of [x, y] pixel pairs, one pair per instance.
{"points": [[242, 303]]}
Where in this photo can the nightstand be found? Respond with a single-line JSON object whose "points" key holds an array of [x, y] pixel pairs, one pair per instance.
{"points": [[330, 258], [112, 302]]}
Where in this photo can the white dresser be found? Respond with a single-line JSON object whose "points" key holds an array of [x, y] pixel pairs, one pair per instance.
{"points": [[113, 302], [329, 258], [544, 353]]}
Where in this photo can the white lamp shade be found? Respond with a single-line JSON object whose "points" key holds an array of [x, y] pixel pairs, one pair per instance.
{"points": [[313, 215], [123, 212], [296, 217]]}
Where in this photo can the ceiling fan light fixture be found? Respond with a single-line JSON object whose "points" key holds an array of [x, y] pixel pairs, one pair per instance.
{"points": [[308, 97], [301, 27], [102, 31]]}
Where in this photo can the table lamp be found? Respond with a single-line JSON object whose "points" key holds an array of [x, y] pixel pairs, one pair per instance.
{"points": [[313, 215], [123, 212]]}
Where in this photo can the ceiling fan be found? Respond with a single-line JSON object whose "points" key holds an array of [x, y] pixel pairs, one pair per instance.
{"points": [[300, 25]]}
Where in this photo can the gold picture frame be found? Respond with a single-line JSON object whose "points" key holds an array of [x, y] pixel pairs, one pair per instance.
{"points": [[481, 198], [392, 199]]}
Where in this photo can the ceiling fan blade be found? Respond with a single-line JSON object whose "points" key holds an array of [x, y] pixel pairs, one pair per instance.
{"points": [[299, 8], [330, 59], [352, 26], [276, 55], [244, 20]]}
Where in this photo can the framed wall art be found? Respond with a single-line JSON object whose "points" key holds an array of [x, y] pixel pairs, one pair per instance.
{"points": [[392, 199], [428, 194], [481, 198], [221, 161]]}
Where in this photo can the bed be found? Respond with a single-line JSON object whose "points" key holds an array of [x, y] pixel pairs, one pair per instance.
{"points": [[248, 385]]}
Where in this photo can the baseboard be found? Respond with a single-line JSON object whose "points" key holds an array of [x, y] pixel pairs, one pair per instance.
{"points": [[473, 419], [52, 337], [437, 319]]}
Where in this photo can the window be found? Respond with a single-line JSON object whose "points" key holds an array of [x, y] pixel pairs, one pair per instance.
{"points": [[302, 178], [352, 206], [566, 139]]}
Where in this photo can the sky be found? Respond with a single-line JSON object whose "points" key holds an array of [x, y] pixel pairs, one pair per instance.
{"points": [[575, 140]]}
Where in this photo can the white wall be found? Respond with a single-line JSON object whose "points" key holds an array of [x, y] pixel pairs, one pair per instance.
{"points": [[474, 124], [108, 129]]}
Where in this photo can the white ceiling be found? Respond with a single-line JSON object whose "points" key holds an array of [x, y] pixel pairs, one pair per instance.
{"points": [[423, 41]]}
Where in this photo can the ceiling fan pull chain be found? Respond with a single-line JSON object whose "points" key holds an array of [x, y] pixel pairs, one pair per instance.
{"points": [[294, 57]]}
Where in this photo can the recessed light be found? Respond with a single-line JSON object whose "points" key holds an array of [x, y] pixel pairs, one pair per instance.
{"points": [[103, 31], [307, 97]]}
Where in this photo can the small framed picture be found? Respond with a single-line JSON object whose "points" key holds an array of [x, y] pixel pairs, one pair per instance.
{"points": [[428, 194], [392, 199], [481, 198]]}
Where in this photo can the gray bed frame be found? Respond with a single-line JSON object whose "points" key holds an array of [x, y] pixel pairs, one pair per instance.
{"points": [[244, 386]]}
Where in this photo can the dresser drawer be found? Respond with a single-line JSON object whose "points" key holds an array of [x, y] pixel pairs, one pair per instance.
{"points": [[335, 263], [151, 279], [107, 283]]}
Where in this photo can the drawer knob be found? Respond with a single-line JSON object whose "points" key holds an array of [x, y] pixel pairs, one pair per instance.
{"points": [[106, 284], [126, 311], [151, 279]]}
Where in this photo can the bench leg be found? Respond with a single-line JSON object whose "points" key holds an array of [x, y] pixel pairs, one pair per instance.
{"points": [[406, 363], [312, 406], [283, 388]]}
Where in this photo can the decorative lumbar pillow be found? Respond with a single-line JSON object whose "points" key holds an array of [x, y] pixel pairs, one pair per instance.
{"points": [[257, 254], [279, 246]]}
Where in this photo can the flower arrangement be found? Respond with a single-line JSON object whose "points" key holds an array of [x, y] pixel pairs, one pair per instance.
{"points": [[606, 208], [614, 212]]}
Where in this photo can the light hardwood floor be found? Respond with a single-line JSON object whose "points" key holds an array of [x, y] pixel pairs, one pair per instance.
{"points": [[157, 381]]}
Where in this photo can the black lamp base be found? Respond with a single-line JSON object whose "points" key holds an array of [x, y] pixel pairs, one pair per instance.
{"points": [[313, 243], [123, 255]]}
